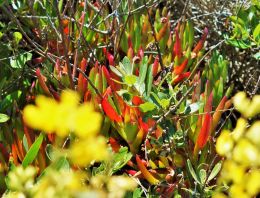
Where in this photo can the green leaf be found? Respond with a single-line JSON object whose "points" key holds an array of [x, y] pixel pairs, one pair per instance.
{"points": [[33, 151], [257, 56], [203, 176], [61, 163], [130, 131], [256, 33], [215, 171], [130, 79], [143, 70], [148, 106], [164, 103], [9, 99], [17, 37], [20, 60], [2, 1], [239, 43], [192, 172], [115, 70], [120, 159], [128, 67], [149, 80], [191, 108], [4, 118]]}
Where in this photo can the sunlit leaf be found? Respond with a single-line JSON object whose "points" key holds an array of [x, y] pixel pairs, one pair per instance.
{"points": [[148, 106], [4, 118], [20, 60], [33, 151]]}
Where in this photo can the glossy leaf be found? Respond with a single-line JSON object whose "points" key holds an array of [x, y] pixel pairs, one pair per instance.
{"points": [[33, 151]]}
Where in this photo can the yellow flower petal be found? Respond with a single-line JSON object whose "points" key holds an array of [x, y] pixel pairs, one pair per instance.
{"points": [[252, 183], [246, 153], [87, 121], [84, 151], [225, 143], [253, 133]]}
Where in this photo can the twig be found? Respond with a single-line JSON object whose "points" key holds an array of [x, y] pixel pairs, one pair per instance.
{"points": [[64, 45], [155, 38], [92, 6], [78, 41]]}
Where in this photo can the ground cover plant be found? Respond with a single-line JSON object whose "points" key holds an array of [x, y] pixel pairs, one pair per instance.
{"points": [[118, 99]]}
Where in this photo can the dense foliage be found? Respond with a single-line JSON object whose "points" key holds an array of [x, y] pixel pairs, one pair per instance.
{"points": [[116, 99]]}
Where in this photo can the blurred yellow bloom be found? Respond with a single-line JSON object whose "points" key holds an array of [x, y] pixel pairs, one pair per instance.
{"points": [[246, 153], [224, 143], [242, 151], [219, 195], [84, 151], [87, 121], [60, 184], [253, 133], [252, 182], [252, 107], [64, 117], [14, 195], [21, 178], [118, 185], [238, 190], [240, 129], [233, 172]]}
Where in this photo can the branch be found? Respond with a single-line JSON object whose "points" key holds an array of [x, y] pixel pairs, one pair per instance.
{"points": [[64, 45], [155, 39]]}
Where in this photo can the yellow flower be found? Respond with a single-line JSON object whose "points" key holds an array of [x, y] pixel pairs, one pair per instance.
{"points": [[84, 151], [225, 143], [237, 190], [60, 184], [240, 102], [219, 195], [64, 117], [39, 116], [252, 107], [253, 133], [21, 179], [118, 185], [252, 182], [240, 129], [246, 153], [87, 121], [232, 172]]}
